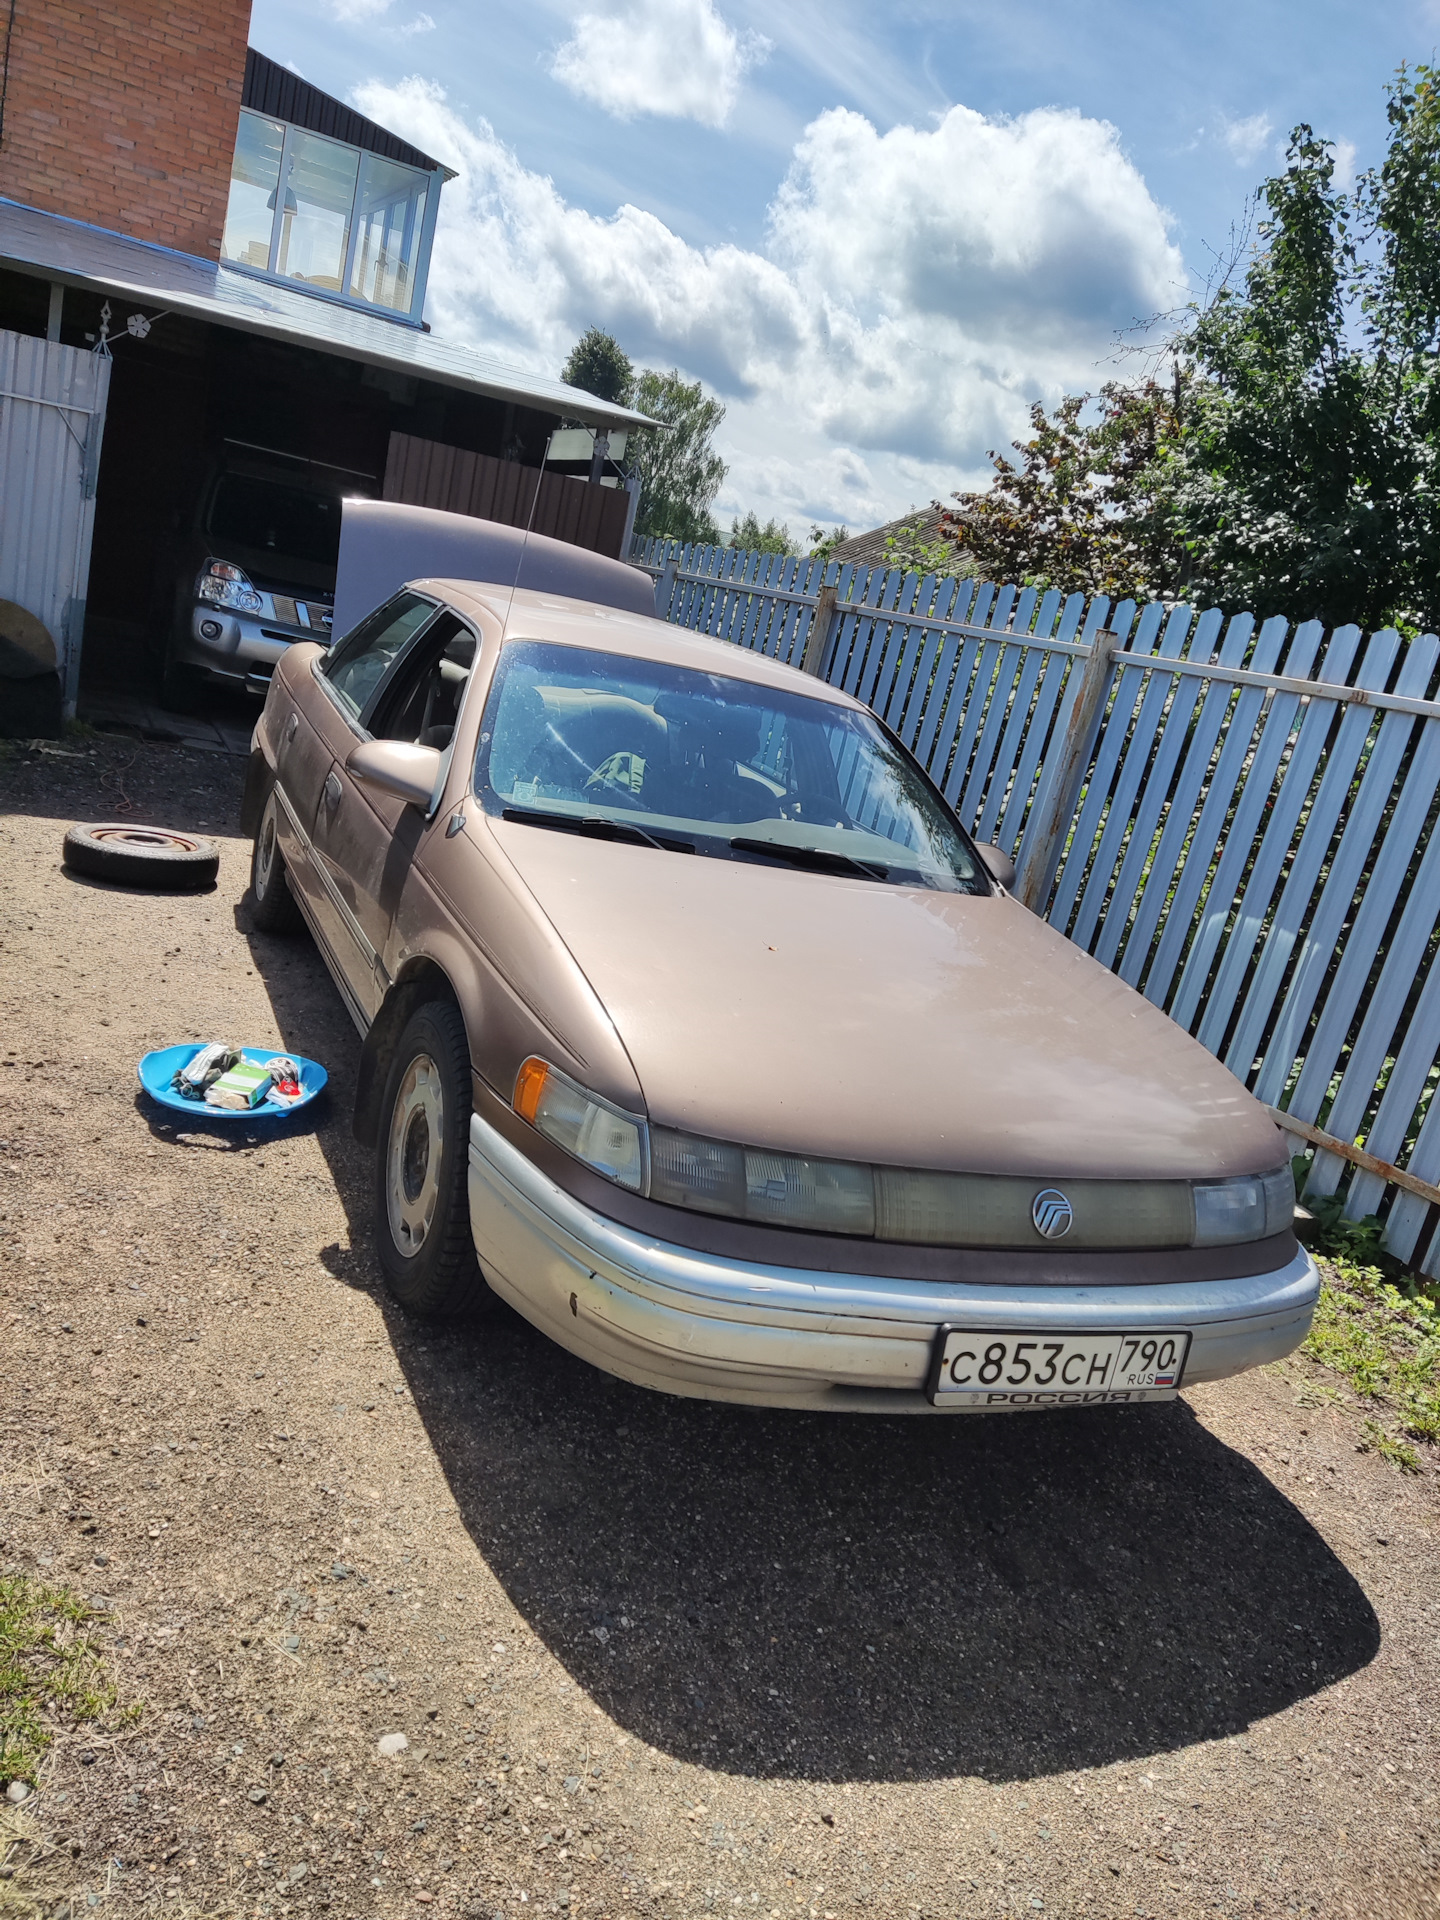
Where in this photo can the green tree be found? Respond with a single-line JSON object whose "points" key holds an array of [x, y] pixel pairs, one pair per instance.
{"points": [[823, 544], [920, 549], [747, 533], [680, 471], [1306, 480], [599, 365], [1086, 508], [1289, 461]]}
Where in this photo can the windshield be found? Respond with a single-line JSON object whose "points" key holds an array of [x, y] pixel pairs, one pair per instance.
{"points": [[282, 520], [691, 762]]}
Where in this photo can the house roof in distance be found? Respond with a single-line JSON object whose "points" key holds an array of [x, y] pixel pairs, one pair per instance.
{"points": [[53, 247], [869, 550], [274, 90]]}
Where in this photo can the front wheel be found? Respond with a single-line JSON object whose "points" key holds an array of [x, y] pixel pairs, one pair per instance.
{"points": [[422, 1210]]}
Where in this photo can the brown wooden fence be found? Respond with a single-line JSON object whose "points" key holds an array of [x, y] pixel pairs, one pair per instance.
{"points": [[427, 473]]}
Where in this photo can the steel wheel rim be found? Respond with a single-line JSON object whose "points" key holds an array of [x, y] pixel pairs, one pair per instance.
{"points": [[265, 852], [412, 1156], [146, 837]]}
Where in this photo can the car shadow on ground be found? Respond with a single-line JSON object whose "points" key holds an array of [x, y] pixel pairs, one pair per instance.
{"points": [[855, 1598]]}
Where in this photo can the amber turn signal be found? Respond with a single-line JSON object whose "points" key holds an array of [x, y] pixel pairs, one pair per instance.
{"points": [[529, 1085], [606, 1138]]}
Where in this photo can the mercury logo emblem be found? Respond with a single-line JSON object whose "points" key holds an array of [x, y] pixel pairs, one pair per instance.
{"points": [[1052, 1213]]}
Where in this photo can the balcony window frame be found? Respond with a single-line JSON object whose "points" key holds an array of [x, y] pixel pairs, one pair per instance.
{"points": [[433, 178]]}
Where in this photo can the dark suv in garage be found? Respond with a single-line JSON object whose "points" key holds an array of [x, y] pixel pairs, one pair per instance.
{"points": [[255, 573]]}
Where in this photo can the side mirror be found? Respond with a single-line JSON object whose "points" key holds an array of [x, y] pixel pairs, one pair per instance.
{"points": [[996, 862], [406, 772]]}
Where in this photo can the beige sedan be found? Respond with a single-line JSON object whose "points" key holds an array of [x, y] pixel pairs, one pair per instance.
{"points": [[697, 1029]]}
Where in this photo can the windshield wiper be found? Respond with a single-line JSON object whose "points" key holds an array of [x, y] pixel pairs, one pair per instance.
{"points": [[820, 859], [596, 826]]}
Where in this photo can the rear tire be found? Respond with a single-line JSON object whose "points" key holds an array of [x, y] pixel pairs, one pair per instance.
{"points": [[272, 905], [422, 1205]]}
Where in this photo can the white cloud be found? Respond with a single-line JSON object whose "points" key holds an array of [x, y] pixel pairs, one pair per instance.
{"points": [[1244, 139], [357, 12], [670, 57], [916, 291], [1344, 164]]}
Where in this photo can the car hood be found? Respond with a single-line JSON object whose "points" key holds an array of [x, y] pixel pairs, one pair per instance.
{"points": [[845, 1018]]}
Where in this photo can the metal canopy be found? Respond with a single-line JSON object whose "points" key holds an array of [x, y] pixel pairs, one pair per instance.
{"points": [[52, 247]]}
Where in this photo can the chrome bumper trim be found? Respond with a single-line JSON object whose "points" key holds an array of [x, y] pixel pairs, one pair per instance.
{"points": [[686, 1322]]}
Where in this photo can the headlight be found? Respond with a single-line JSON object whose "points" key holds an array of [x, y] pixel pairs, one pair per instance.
{"points": [[1227, 1211], [750, 1183], [604, 1137], [908, 1205], [224, 585]]}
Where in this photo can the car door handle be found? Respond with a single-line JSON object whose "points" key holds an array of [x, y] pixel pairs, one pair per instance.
{"points": [[333, 790]]}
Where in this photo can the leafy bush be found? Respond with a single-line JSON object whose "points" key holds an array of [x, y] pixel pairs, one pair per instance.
{"points": [[1386, 1344]]}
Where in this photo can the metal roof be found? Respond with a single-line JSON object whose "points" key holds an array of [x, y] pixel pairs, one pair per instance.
{"points": [[53, 247], [869, 549], [275, 90]]}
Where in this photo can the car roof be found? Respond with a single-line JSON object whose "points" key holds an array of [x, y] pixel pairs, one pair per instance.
{"points": [[528, 615]]}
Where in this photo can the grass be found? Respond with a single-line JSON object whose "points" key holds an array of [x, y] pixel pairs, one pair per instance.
{"points": [[51, 1672], [1383, 1339]]}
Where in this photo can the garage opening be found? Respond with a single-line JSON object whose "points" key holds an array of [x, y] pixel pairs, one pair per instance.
{"points": [[195, 411]]}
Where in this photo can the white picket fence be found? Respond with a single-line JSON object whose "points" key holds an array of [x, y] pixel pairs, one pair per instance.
{"points": [[1238, 818]]}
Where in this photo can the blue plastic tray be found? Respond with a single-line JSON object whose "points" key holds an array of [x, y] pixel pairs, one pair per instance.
{"points": [[158, 1069]]}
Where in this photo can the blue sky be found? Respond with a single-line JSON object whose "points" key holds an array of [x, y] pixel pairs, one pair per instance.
{"points": [[877, 232]]}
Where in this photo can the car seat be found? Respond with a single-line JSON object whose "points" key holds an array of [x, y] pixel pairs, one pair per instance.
{"points": [[707, 741]]}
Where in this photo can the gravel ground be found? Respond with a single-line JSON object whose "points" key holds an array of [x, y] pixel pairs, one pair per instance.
{"points": [[650, 1657]]}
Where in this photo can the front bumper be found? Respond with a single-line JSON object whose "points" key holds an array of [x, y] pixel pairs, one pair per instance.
{"points": [[244, 647], [684, 1322]]}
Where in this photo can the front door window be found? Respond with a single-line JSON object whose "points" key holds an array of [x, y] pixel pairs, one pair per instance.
{"points": [[422, 703], [358, 663]]}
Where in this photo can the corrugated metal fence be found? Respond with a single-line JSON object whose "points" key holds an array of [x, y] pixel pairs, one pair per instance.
{"points": [[427, 473], [1237, 817], [52, 415]]}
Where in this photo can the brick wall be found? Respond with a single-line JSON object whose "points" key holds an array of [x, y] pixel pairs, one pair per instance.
{"points": [[123, 113]]}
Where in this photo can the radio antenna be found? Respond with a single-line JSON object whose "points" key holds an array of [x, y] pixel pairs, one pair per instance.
{"points": [[525, 541]]}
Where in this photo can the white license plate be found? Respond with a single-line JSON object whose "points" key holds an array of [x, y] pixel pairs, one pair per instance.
{"points": [[988, 1367]]}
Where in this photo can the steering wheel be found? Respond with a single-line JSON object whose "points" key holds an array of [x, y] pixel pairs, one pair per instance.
{"points": [[619, 777]]}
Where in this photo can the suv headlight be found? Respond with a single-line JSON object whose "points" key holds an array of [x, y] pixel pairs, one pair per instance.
{"points": [[225, 585], [604, 1137]]}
